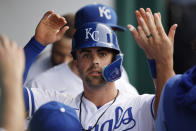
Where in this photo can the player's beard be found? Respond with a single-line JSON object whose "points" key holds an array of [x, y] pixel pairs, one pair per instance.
{"points": [[94, 82]]}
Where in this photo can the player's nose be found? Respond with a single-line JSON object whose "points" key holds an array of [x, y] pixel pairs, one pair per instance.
{"points": [[95, 59]]}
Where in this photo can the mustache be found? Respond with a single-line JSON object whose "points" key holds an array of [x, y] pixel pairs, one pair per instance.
{"points": [[94, 67]]}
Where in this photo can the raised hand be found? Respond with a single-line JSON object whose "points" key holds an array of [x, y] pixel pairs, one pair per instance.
{"points": [[151, 36], [51, 28], [11, 59]]}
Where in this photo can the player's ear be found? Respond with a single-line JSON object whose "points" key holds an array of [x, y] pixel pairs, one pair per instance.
{"points": [[75, 62]]}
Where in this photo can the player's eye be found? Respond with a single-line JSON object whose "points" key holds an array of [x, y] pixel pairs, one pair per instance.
{"points": [[86, 55], [102, 54]]}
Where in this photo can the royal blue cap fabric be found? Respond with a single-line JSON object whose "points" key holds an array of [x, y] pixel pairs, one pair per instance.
{"points": [[55, 116], [186, 93], [97, 13]]}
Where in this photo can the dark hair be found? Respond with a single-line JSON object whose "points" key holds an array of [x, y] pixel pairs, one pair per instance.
{"points": [[70, 18]]}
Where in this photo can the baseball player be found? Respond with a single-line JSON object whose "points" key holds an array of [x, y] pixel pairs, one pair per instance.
{"points": [[98, 58], [57, 77]]}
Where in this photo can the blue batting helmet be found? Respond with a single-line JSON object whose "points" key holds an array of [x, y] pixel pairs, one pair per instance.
{"points": [[95, 34], [97, 13]]}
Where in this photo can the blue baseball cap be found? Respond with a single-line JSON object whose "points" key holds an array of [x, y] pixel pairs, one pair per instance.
{"points": [[55, 116], [97, 13], [186, 91]]}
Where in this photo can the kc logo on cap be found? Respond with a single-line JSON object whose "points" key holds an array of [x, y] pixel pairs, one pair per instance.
{"points": [[92, 34], [103, 11]]}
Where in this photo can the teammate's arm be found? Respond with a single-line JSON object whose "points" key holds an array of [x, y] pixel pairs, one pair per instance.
{"points": [[11, 71], [157, 46], [50, 29], [32, 50]]}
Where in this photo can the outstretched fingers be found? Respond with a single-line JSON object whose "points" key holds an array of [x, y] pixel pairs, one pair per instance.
{"points": [[172, 32], [143, 14], [56, 21], [138, 35], [144, 42], [151, 24], [62, 31], [144, 26], [159, 25], [53, 20], [7, 44], [47, 14], [138, 15], [149, 10], [133, 32], [4, 40]]}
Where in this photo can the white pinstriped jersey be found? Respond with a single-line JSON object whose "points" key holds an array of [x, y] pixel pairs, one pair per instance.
{"points": [[133, 112]]}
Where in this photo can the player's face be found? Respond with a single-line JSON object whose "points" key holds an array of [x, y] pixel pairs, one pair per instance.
{"points": [[61, 51], [90, 63]]}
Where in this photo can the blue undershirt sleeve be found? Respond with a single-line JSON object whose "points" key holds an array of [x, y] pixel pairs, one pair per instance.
{"points": [[31, 50]]}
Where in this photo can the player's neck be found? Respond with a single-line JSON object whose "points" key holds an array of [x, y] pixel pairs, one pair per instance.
{"points": [[101, 96]]}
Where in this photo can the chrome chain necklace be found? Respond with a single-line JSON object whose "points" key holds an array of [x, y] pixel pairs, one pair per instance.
{"points": [[99, 116]]}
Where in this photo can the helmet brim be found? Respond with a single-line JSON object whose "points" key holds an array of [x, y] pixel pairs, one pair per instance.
{"points": [[117, 27]]}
